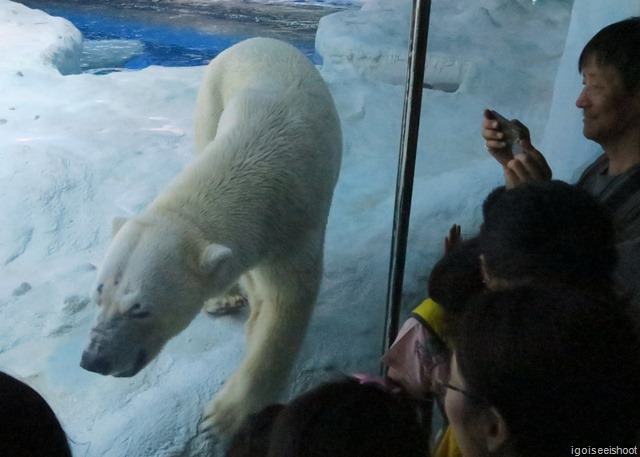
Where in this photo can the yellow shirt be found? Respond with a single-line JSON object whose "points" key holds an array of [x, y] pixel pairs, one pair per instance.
{"points": [[447, 447]]}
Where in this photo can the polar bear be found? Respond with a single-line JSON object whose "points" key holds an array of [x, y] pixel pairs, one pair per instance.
{"points": [[252, 207]]}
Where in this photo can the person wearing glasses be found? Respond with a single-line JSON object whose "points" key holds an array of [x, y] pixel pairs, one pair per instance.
{"points": [[545, 234], [542, 372], [538, 233]]}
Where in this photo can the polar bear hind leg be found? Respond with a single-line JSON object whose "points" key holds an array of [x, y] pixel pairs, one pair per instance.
{"points": [[285, 290]]}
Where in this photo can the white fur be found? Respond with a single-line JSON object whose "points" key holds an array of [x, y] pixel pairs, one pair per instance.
{"points": [[253, 206]]}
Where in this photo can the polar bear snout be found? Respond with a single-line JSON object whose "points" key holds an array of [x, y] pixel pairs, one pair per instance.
{"points": [[113, 351], [94, 362], [100, 363]]}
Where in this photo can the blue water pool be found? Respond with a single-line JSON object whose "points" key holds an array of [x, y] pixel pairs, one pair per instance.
{"points": [[133, 35]]}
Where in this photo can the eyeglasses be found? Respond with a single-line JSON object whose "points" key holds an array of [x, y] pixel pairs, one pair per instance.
{"points": [[441, 390]]}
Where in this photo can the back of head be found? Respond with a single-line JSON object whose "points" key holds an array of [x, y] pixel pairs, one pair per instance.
{"points": [[548, 231], [617, 45], [28, 426], [457, 276], [562, 368], [252, 439], [454, 279], [347, 418]]}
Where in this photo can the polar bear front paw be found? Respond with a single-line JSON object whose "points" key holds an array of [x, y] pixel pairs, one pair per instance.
{"points": [[222, 417], [225, 305]]}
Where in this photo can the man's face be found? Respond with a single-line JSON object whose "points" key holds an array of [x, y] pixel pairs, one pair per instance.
{"points": [[610, 111]]}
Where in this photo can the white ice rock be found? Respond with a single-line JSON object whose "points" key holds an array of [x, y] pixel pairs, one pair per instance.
{"points": [[56, 41]]}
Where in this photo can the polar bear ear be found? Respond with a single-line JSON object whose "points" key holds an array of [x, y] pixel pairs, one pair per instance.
{"points": [[215, 260], [117, 224]]}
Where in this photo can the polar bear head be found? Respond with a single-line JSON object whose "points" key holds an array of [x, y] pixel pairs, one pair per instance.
{"points": [[152, 283]]}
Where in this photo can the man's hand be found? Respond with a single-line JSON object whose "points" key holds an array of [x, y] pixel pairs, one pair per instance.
{"points": [[494, 139], [530, 166]]}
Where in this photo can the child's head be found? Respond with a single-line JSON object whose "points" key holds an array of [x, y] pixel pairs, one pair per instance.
{"points": [[252, 439], [28, 425], [456, 278], [547, 231], [347, 418]]}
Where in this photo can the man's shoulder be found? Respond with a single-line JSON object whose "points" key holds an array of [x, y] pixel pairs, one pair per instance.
{"points": [[597, 167]]}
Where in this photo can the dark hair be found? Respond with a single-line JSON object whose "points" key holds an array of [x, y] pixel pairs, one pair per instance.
{"points": [[550, 231], [617, 45], [252, 439], [454, 279], [347, 418], [28, 425], [457, 276], [561, 367]]}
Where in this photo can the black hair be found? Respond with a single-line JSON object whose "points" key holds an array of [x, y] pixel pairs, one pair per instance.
{"points": [[347, 418], [252, 439], [457, 276], [454, 279], [28, 425], [548, 231], [617, 45], [561, 367]]}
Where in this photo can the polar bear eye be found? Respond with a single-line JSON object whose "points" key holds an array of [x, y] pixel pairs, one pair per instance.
{"points": [[99, 289], [137, 311]]}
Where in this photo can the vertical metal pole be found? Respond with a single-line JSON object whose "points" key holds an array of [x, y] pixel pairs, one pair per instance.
{"points": [[406, 164]]}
